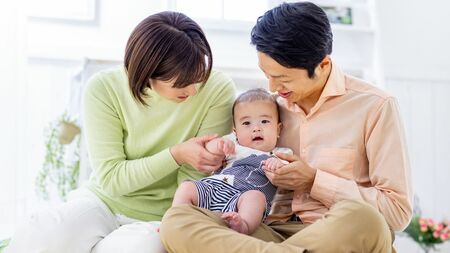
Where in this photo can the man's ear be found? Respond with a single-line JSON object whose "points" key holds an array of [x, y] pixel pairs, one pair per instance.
{"points": [[323, 65]]}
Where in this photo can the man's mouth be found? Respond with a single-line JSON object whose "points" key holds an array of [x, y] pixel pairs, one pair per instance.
{"points": [[284, 94]]}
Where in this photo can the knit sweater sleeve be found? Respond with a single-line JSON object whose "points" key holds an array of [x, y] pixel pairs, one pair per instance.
{"points": [[104, 132], [217, 120]]}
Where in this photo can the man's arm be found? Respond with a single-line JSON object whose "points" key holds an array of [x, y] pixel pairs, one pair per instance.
{"points": [[390, 190]]}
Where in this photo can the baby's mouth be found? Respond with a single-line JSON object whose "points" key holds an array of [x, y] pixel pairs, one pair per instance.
{"points": [[258, 138]]}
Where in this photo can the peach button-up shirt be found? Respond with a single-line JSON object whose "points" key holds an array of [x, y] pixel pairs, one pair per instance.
{"points": [[355, 139]]}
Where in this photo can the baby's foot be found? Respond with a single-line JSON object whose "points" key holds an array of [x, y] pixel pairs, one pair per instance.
{"points": [[235, 222]]}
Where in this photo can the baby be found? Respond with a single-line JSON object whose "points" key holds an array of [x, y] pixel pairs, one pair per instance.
{"points": [[241, 190]]}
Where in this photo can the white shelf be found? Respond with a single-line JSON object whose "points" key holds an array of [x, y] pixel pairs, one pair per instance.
{"points": [[352, 28], [355, 45]]}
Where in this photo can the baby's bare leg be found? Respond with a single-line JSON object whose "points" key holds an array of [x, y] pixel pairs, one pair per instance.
{"points": [[251, 207], [185, 194]]}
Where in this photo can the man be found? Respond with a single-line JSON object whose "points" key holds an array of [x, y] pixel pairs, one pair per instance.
{"points": [[348, 186]]}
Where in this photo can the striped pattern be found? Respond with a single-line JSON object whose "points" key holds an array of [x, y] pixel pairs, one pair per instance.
{"points": [[218, 195]]}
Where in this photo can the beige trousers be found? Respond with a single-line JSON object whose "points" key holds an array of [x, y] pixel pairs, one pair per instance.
{"points": [[349, 226]]}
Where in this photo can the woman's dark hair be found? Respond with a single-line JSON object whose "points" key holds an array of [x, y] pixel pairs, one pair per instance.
{"points": [[256, 94], [296, 35], [167, 46]]}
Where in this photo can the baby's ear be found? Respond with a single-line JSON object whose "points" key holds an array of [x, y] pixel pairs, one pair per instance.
{"points": [[280, 126], [235, 135]]}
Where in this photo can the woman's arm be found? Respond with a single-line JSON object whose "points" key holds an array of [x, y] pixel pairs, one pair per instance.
{"points": [[104, 132], [118, 175], [218, 119]]}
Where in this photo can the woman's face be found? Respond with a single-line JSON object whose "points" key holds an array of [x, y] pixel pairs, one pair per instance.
{"points": [[166, 89]]}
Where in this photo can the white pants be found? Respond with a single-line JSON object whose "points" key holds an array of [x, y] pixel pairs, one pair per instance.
{"points": [[85, 224]]}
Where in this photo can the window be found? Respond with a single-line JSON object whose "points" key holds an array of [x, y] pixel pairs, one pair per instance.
{"points": [[222, 10]]}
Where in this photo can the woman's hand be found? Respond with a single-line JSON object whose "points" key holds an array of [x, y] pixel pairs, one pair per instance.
{"points": [[193, 152], [297, 175]]}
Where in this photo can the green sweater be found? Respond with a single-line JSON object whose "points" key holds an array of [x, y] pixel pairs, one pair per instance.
{"points": [[128, 143]]}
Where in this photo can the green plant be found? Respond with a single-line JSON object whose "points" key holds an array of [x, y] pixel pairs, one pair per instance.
{"points": [[3, 244], [62, 161], [427, 233]]}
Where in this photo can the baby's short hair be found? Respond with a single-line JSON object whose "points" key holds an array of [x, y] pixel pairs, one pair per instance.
{"points": [[256, 94]]}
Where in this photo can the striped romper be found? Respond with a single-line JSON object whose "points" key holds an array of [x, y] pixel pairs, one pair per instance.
{"points": [[221, 192]]}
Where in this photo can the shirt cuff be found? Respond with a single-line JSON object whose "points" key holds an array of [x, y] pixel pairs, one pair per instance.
{"points": [[324, 188]]}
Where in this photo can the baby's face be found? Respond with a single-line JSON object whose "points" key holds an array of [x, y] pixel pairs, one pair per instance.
{"points": [[256, 125]]}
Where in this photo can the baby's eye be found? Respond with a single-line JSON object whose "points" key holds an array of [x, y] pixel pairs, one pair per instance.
{"points": [[246, 123], [265, 121]]}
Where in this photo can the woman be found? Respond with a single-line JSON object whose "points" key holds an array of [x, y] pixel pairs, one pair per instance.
{"points": [[145, 125]]}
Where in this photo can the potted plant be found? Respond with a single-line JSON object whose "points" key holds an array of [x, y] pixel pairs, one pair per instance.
{"points": [[62, 158], [427, 232]]}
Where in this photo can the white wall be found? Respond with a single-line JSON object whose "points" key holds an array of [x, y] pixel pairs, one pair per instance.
{"points": [[415, 38], [103, 38], [10, 97], [38, 59]]}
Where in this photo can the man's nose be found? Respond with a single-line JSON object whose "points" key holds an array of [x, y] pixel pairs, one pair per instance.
{"points": [[273, 85]]}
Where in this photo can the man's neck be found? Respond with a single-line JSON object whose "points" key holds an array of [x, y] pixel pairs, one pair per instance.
{"points": [[308, 103]]}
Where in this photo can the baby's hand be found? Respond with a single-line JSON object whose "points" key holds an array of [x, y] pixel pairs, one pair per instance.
{"points": [[272, 164], [227, 146]]}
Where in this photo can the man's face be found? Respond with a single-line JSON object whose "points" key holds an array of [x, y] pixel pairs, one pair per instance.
{"points": [[293, 84], [256, 124]]}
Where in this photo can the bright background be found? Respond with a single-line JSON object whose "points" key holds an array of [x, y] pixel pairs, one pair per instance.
{"points": [[48, 47]]}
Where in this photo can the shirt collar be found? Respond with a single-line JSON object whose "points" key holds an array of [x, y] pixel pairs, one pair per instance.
{"points": [[335, 86]]}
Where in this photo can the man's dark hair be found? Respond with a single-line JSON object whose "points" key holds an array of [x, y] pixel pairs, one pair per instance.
{"points": [[296, 35], [167, 46]]}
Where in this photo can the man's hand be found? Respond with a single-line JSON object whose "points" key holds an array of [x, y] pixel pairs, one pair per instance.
{"points": [[297, 175], [193, 152]]}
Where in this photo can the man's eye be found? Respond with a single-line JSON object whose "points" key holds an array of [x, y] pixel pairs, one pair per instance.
{"points": [[246, 123], [265, 121]]}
